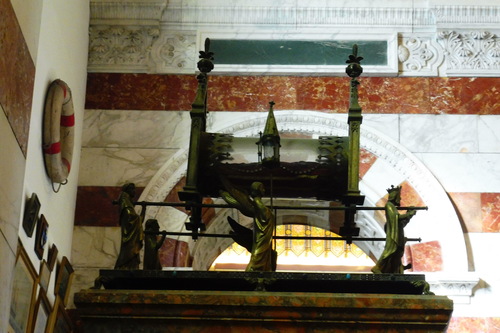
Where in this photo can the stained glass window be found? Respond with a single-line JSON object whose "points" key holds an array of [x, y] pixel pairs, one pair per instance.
{"points": [[303, 254]]}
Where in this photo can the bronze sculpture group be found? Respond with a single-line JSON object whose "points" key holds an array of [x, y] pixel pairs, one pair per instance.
{"points": [[259, 241], [133, 237]]}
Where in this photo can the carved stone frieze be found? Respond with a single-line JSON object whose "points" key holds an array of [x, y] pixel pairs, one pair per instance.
{"points": [[161, 36], [174, 53], [116, 48], [419, 56], [474, 52], [145, 49]]}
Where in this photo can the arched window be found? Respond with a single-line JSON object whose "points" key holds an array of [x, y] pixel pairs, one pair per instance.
{"points": [[304, 255]]}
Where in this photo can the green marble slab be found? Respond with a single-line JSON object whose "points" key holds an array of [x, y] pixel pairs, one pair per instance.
{"points": [[296, 52]]}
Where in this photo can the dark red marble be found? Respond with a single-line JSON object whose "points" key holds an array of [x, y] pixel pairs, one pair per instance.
{"points": [[17, 75], [490, 208], [426, 257], [465, 95], [418, 95], [94, 205], [140, 91], [473, 325], [394, 95], [469, 210], [409, 196], [478, 212], [366, 160], [174, 253]]}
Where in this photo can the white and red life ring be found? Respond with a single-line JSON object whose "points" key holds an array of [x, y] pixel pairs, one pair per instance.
{"points": [[58, 131]]}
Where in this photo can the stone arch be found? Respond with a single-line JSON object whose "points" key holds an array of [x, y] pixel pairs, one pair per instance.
{"points": [[393, 165]]}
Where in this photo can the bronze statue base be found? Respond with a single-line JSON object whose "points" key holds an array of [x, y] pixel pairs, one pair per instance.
{"points": [[406, 284]]}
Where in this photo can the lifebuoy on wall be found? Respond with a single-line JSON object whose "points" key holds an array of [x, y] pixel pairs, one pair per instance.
{"points": [[58, 131]]}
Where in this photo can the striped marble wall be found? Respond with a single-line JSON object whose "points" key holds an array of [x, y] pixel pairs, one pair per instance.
{"points": [[453, 116], [134, 123]]}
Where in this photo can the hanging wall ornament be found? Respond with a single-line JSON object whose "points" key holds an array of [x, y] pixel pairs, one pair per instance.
{"points": [[58, 133]]}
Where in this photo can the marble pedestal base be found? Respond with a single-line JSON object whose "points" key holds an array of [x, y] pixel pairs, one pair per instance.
{"points": [[155, 311]]}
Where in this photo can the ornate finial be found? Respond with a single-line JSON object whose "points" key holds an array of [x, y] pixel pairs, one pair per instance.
{"points": [[354, 68], [207, 45], [271, 129], [269, 142], [205, 65]]}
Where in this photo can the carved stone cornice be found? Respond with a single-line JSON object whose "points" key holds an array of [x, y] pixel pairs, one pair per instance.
{"points": [[125, 12], [297, 16], [150, 36], [459, 287], [467, 16], [213, 13]]}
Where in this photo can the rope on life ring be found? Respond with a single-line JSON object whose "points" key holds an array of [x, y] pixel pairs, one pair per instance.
{"points": [[58, 132]]}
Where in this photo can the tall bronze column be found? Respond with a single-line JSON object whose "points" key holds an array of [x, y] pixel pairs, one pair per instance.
{"points": [[190, 193], [353, 196]]}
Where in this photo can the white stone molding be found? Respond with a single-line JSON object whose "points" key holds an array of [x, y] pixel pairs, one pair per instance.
{"points": [[309, 15], [467, 17], [174, 52], [459, 287], [120, 48], [126, 12], [164, 180], [471, 53], [157, 36], [295, 16], [419, 55]]}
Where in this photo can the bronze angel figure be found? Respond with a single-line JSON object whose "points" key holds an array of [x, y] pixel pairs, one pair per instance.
{"points": [[258, 242]]}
